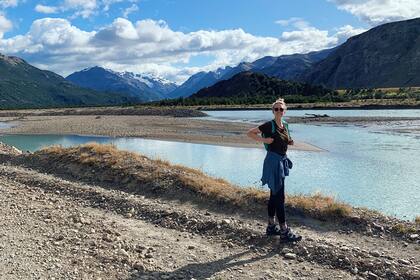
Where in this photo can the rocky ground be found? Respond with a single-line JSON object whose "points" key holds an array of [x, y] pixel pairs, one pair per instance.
{"points": [[55, 226]]}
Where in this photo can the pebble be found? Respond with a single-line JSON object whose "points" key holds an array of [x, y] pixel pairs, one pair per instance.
{"points": [[138, 266], [354, 270], [286, 250], [123, 252], [225, 221], [290, 256], [372, 275], [414, 236], [378, 227], [402, 261], [107, 238], [375, 253]]}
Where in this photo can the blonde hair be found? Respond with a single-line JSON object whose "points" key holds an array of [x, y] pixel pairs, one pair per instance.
{"points": [[279, 101]]}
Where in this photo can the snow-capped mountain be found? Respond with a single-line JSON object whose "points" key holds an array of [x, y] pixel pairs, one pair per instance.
{"points": [[144, 86]]}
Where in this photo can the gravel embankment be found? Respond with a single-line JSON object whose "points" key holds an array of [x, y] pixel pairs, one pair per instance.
{"points": [[54, 226]]}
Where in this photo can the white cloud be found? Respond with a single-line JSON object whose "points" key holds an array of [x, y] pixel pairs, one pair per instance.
{"points": [[133, 8], [5, 25], [57, 33], [303, 34], [46, 9], [294, 21], [83, 4], [376, 12], [120, 30], [84, 8], [8, 3], [152, 46], [108, 3], [347, 31]]}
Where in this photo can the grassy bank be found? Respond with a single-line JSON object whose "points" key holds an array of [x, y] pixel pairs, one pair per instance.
{"points": [[138, 174]]}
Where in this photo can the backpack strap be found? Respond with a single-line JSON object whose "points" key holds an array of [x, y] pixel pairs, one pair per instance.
{"points": [[273, 130], [273, 126], [286, 125]]}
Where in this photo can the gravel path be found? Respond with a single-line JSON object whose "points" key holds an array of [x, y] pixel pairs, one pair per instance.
{"points": [[49, 233]]}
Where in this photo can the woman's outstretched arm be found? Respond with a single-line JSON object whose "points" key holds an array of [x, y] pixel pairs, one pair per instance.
{"points": [[254, 133]]}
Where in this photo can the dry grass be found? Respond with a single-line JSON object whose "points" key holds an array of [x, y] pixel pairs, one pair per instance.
{"points": [[404, 229], [325, 206], [417, 220], [141, 171]]}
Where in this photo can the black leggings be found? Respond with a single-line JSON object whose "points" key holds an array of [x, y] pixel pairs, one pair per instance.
{"points": [[276, 205]]}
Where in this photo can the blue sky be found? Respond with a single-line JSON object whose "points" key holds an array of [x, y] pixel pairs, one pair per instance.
{"points": [[176, 38]]}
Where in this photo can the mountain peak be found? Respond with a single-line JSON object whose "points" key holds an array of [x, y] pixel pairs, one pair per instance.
{"points": [[147, 87], [12, 60]]}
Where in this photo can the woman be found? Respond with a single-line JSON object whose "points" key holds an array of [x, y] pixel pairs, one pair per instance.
{"points": [[276, 137]]}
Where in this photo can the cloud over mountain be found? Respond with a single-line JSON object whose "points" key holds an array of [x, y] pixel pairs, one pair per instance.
{"points": [[376, 12]]}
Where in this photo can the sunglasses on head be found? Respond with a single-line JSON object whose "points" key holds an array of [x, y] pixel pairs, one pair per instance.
{"points": [[278, 109]]}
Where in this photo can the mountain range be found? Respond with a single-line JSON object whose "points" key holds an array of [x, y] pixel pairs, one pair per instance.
{"points": [[141, 86], [385, 56], [287, 67]]}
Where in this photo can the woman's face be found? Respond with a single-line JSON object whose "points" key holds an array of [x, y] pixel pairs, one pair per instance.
{"points": [[279, 109]]}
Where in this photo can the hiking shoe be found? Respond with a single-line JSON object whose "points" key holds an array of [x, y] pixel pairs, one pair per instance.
{"points": [[273, 230], [288, 236]]}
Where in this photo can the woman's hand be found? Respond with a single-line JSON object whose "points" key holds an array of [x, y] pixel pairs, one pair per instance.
{"points": [[268, 140], [291, 142]]}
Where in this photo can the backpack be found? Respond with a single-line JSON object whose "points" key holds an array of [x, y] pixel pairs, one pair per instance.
{"points": [[273, 130]]}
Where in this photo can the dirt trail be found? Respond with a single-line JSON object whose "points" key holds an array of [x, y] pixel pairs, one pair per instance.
{"points": [[54, 227], [47, 232]]}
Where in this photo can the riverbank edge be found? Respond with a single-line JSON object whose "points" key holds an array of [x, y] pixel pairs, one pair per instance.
{"points": [[104, 164]]}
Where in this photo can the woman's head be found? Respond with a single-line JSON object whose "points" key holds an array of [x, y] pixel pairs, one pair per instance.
{"points": [[279, 107]]}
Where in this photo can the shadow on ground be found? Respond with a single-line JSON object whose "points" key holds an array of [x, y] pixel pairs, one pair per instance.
{"points": [[208, 269]]}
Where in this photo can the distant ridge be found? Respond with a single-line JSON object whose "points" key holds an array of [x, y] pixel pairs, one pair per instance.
{"points": [[141, 86], [385, 56], [252, 85], [25, 86]]}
